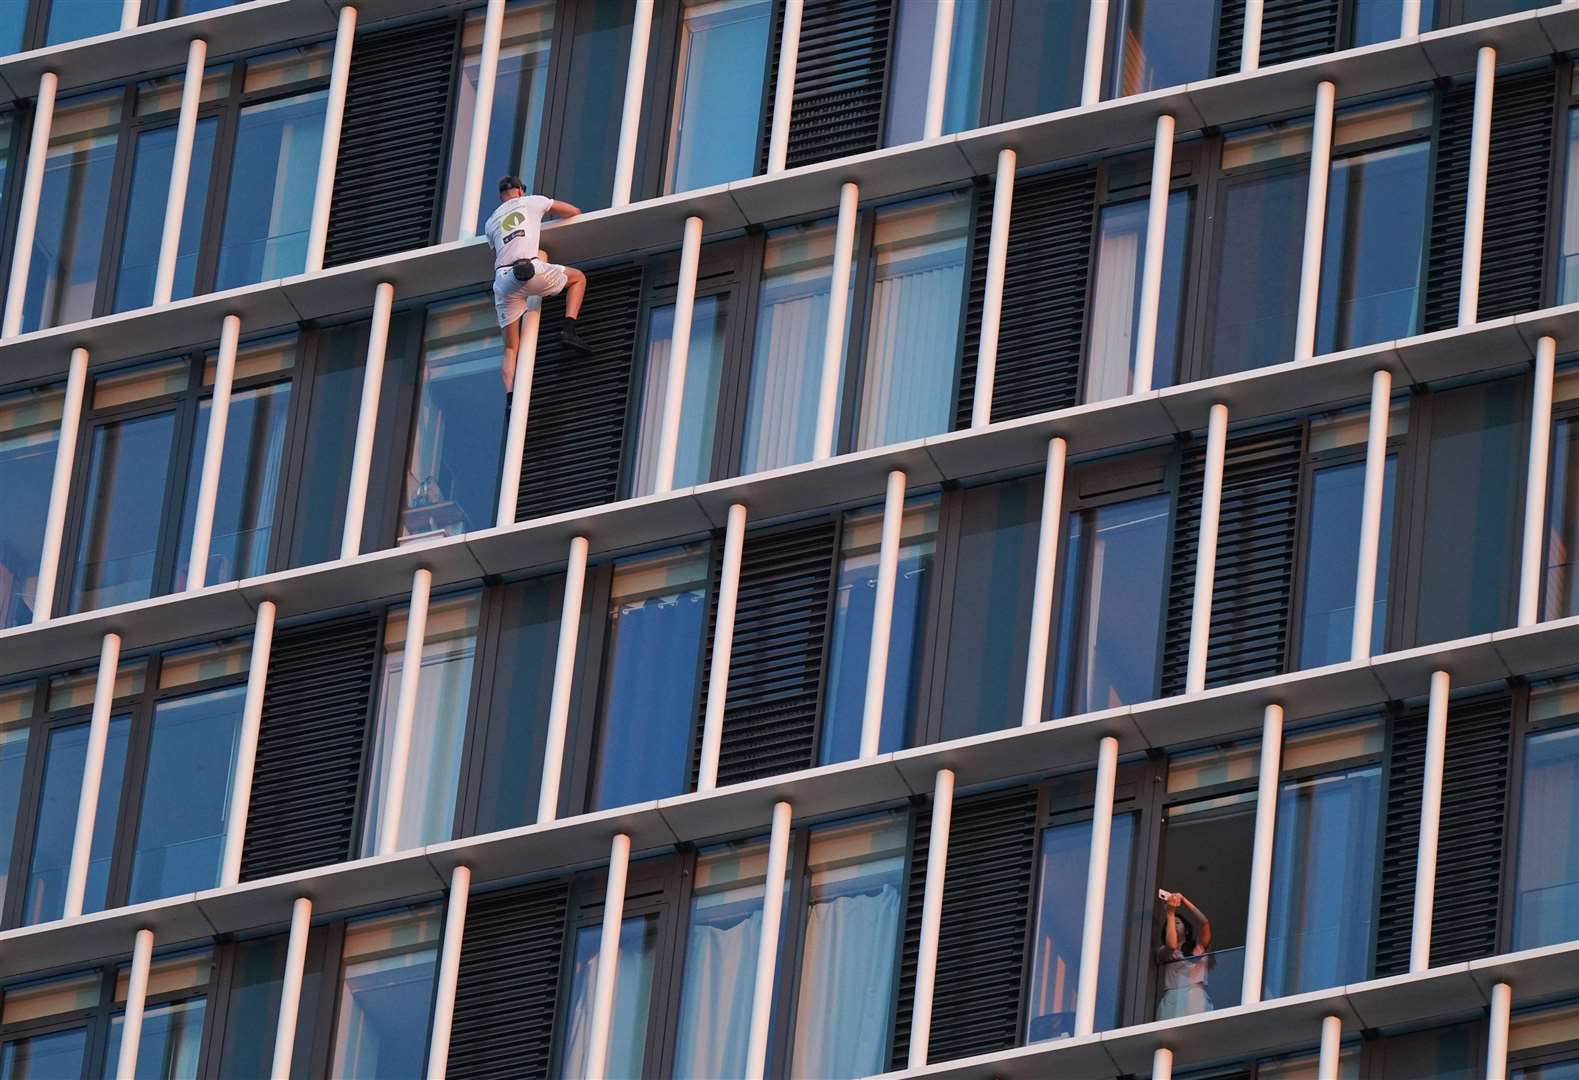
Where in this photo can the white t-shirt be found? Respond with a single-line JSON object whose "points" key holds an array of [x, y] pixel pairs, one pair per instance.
{"points": [[516, 227]]}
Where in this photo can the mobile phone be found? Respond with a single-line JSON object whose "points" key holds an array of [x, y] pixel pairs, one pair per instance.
{"points": [[1162, 894]]}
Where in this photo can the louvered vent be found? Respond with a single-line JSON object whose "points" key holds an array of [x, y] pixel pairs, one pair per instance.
{"points": [[781, 622], [575, 429], [1513, 252], [1290, 30], [1469, 845], [1041, 336], [391, 166], [315, 716], [982, 935], [508, 988], [840, 75], [1254, 576]]}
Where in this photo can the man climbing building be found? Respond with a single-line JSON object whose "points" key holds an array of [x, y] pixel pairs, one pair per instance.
{"points": [[522, 270]]}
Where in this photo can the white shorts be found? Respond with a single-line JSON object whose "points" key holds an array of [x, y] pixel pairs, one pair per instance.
{"points": [[510, 296]]}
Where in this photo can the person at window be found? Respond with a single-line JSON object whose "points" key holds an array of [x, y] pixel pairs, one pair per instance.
{"points": [[1186, 935], [522, 269]]}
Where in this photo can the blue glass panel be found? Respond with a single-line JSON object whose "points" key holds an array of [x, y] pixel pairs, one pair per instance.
{"points": [[1332, 559], [272, 178], [171, 1041], [718, 100], [384, 1016], [627, 1047], [27, 470], [124, 508], [171, 9], [1115, 308], [1257, 279], [145, 213], [1046, 63], [186, 794], [57, 821], [63, 275], [1546, 891], [1165, 43], [13, 765], [58, 1054], [599, 55], [70, 20], [693, 462]]}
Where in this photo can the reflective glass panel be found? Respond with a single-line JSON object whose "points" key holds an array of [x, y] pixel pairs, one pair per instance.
{"points": [[172, 9], [60, 1053], [849, 956], [171, 1041], [627, 1047], [57, 821], [1115, 586], [123, 509], [657, 616], [845, 700], [386, 997], [717, 112], [967, 63], [145, 213], [29, 444], [693, 463], [1207, 849], [1046, 63], [272, 178], [1332, 560], [13, 22], [1060, 914], [1561, 596], [518, 721], [1256, 290], [1115, 308], [71, 20], [1163, 43], [13, 767], [186, 794], [253, 1008], [1568, 235], [336, 394], [452, 473], [600, 44], [912, 336], [1546, 888], [910, 71]]}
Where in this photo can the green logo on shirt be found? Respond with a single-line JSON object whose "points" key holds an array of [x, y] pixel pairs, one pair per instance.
{"points": [[512, 220]]}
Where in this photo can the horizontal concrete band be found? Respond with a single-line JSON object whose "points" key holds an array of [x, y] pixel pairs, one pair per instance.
{"points": [[657, 224], [1011, 446]]}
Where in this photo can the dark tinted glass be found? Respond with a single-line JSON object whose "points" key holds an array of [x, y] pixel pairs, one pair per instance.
{"points": [[57, 821], [145, 213], [61, 1053], [1164, 43], [518, 716], [124, 508], [1332, 559], [599, 56], [253, 1010], [1256, 296], [1047, 48], [1546, 891]]}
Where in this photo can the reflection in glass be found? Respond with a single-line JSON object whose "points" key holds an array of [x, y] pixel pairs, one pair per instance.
{"points": [[693, 462], [1568, 235], [714, 133], [515, 125], [1115, 580], [1046, 62], [845, 700], [336, 391], [627, 1047], [849, 958], [912, 337], [171, 1041], [123, 510], [1375, 249], [1552, 1070], [1561, 596], [786, 366], [1323, 873], [145, 213], [1374, 21], [1546, 890], [518, 721], [1257, 277], [29, 443], [1163, 43], [599, 45], [60, 1053], [272, 177], [1115, 307], [13, 767], [57, 821], [253, 1008], [186, 794], [71, 20], [386, 996], [1060, 917], [452, 473], [1327, 605], [438, 727], [657, 616]]}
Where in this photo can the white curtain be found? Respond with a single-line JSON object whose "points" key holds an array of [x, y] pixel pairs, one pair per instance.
{"points": [[910, 353], [715, 1010], [654, 388], [847, 982], [632, 1003], [785, 380], [1113, 316]]}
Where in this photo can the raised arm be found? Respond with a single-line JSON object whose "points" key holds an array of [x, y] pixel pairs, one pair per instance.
{"points": [[1203, 925], [562, 209]]}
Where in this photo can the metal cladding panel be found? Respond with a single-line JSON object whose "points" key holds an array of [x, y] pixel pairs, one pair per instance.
{"points": [[781, 626], [575, 429], [1290, 30], [1041, 334], [840, 75], [310, 747], [391, 165], [1518, 183], [982, 936], [1469, 841], [1254, 578], [508, 987]]}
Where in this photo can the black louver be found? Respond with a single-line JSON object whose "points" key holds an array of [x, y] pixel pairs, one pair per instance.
{"points": [[840, 75], [1290, 30]]}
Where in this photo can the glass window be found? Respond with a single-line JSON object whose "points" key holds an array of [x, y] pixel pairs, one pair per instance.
{"points": [[715, 132], [657, 616], [912, 336], [1115, 306], [253, 1007], [1065, 863], [1047, 54], [910, 71], [849, 958], [1382, 20], [1207, 850], [786, 365], [59, 1053], [852, 630], [325, 480], [438, 727], [1540, 1034], [1568, 257], [693, 463], [171, 1041], [71, 20], [515, 126], [16, 706], [63, 276], [57, 821], [1164, 43], [145, 215], [1475, 10], [512, 764], [186, 794], [627, 1048], [1546, 889], [1323, 876], [272, 177], [1332, 561], [1256, 286], [452, 474], [967, 63], [13, 21], [721, 961], [1476, 443], [29, 444], [173, 9], [1115, 582], [600, 45], [386, 996]]}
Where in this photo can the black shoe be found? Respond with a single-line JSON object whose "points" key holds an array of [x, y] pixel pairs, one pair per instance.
{"points": [[571, 339]]}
